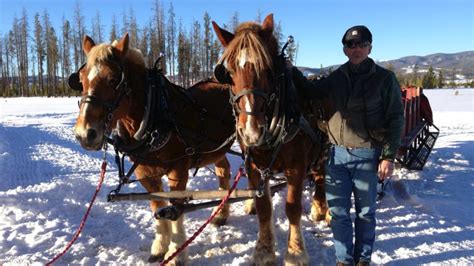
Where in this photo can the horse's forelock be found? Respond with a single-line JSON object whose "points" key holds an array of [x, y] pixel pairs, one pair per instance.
{"points": [[98, 54], [103, 52], [247, 39]]}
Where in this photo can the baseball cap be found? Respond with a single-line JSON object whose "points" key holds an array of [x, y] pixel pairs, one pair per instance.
{"points": [[358, 33]]}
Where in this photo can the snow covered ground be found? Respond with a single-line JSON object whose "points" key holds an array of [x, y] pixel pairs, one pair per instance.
{"points": [[47, 181]]}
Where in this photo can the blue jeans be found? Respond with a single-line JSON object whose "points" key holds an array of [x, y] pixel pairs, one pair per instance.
{"points": [[352, 170]]}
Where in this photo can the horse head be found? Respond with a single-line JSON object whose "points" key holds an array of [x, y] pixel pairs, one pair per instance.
{"points": [[104, 81], [248, 64]]}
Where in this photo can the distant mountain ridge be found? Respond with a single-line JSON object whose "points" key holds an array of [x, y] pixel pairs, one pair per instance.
{"points": [[454, 66]]}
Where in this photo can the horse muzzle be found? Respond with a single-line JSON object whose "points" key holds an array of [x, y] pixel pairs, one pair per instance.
{"points": [[90, 138], [252, 137]]}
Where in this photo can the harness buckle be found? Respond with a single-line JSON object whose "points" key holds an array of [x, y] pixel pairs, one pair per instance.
{"points": [[189, 151]]}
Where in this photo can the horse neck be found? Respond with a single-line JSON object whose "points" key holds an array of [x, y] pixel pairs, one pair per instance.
{"points": [[176, 98]]}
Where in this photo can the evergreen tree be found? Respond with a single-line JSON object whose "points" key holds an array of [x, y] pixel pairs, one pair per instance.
{"points": [[40, 51], [52, 60], [15, 40], [181, 56], [125, 24], [79, 31], [24, 53], [216, 49], [3, 81], [441, 80], [258, 18], [97, 29], [415, 80], [133, 29], [11, 50], [171, 39], [234, 22], [429, 80], [196, 47], [65, 54], [207, 45], [143, 45], [113, 30], [277, 32], [157, 36]]}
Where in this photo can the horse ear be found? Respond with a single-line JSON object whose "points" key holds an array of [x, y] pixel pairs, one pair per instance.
{"points": [[87, 44], [224, 36], [267, 25], [122, 45]]}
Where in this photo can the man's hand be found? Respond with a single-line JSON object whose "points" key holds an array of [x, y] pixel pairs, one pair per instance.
{"points": [[385, 169]]}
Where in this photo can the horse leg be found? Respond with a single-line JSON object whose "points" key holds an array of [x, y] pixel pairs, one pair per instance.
{"points": [[160, 244], [177, 179], [296, 253], [319, 207], [265, 249], [222, 168]]}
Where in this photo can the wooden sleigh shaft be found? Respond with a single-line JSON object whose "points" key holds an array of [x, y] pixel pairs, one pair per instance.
{"points": [[173, 212], [189, 195]]}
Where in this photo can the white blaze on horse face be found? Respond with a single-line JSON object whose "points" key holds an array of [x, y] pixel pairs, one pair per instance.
{"points": [[250, 132], [243, 58], [250, 118], [92, 74]]}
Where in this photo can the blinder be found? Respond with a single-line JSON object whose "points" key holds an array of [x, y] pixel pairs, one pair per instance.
{"points": [[222, 74], [73, 80]]}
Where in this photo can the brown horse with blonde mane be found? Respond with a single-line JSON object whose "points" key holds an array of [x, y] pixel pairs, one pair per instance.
{"points": [[271, 129], [188, 127]]}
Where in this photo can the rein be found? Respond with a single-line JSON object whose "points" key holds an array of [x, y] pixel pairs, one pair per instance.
{"points": [[86, 215]]}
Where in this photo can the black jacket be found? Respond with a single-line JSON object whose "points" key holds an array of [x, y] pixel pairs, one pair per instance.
{"points": [[368, 109]]}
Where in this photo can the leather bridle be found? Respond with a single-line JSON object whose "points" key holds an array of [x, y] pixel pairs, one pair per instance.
{"points": [[110, 106]]}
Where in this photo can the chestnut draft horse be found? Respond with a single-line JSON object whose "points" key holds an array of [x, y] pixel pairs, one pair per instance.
{"points": [[270, 128], [183, 129]]}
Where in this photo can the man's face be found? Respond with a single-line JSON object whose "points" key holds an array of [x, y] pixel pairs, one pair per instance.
{"points": [[357, 51]]}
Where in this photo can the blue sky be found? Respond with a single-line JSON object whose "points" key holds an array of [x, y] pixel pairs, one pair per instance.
{"points": [[400, 28]]}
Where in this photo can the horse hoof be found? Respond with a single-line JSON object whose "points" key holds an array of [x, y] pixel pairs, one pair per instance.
{"points": [[301, 259], [156, 258], [250, 208], [328, 219], [264, 256], [318, 218]]}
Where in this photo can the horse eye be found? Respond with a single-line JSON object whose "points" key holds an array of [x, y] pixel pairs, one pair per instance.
{"points": [[113, 81]]}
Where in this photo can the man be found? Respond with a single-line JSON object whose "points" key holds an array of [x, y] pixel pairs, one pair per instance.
{"points": [[364, 130]]}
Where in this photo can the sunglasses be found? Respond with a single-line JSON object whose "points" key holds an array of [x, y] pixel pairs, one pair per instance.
{"points": [[352, 45]]}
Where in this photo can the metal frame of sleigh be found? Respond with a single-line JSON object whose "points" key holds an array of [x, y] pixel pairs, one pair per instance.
{"points": [[420, 133]]}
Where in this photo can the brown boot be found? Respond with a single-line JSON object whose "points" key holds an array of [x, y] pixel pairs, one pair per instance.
{"points": [[363, 263]]}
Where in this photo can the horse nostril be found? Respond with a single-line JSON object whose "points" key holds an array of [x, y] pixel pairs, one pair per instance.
{"points": [[91, 135]]}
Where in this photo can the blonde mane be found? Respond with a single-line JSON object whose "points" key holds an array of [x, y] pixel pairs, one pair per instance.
{"points": [[103, 52], [247, 39]]}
